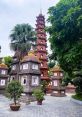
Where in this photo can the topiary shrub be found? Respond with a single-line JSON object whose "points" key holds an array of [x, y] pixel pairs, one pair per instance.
{"points": [[38, 94], [14, 89]]}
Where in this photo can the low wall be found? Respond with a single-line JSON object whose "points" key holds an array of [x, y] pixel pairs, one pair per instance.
{"points": [[70, 89]]}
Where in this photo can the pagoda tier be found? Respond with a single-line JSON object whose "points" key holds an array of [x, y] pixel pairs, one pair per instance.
{"points": [[41, 46]]}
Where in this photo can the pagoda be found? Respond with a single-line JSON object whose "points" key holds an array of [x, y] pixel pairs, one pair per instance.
{"points": [[41, 45], [57, 89]]}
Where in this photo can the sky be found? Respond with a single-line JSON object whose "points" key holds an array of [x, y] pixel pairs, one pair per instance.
{"points": [[14, 12]]}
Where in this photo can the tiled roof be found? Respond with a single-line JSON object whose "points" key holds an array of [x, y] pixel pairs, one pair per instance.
{"points": [[2, 65], [56, 68], [30, 57]]}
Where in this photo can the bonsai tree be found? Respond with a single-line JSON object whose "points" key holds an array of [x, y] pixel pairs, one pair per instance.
{"points": [[14, 89], [39, 95]]}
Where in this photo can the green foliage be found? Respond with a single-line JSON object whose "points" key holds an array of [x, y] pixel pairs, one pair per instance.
{"points": [[51, 64], [38, 93], [66, 34], [50, 73], [21, 37], [14, 89], [8, 61], [66, 79], [51, 60], [44, 84], [77, 97], [77, 81]]}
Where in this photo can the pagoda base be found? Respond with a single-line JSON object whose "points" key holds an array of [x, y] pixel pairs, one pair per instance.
{"points": [[27, 98], [2, 90], [58, 93], [70, 88], [45, 78]]}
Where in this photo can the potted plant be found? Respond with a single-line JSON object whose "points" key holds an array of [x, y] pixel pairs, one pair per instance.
{"points": [[14, 89], [44, 86], [39, 95]]}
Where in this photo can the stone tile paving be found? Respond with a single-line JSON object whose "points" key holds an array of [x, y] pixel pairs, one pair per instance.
{"points": [[52, 107]]}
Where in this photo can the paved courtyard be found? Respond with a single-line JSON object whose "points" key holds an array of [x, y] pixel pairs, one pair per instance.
{"points": [[52, 107]]}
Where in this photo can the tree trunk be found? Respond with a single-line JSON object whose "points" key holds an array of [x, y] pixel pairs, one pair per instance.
{"points": [[14, 98]]}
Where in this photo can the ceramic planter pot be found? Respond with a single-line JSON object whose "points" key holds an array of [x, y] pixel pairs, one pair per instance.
{"points": [[14, 107], [39, 102]]}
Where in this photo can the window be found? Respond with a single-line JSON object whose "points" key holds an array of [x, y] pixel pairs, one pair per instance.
{"points": [[25, 66], [42, 75], [23, 80], [50, 83], [41, 30], [35, 80], [41, 35], [61, 74], [15, 59], [20, 67], [41, 41], [41, 48], [12, 78], [2, 82], [13, 67], [35, 66], [41, 64], [41, 56], [3, 72], [55, 74], [55, 82]]}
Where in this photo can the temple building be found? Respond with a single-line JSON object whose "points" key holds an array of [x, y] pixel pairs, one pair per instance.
{"points": [[29, 75], [15, 67], [57, 88], [3, 77], [41, 46], [27, 72]]}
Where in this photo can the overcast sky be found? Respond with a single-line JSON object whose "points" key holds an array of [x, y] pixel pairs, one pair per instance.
{"points": [[14, 12]]}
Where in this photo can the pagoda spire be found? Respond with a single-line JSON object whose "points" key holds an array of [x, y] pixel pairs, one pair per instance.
{"points": [[40, 7], [41, 45]]}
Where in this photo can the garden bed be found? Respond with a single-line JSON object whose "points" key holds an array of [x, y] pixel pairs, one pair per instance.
{"points": [[77, 99]]}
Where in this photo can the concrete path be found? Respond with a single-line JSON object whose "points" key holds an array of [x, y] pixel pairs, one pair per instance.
{"points": [[52, 107]]}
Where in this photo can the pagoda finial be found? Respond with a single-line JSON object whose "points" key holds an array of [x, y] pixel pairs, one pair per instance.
{"points": [[40, 11], [40, 7]]}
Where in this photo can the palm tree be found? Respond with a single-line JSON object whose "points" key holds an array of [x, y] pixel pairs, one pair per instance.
{"points": [[22, 36]]}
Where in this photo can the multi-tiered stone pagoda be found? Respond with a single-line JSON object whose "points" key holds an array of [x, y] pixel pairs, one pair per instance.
{"points": [[41, 46]]}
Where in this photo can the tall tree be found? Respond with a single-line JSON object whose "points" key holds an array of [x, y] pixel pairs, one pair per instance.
{"points": [[8, 61], [66, 34], [21, 37]]}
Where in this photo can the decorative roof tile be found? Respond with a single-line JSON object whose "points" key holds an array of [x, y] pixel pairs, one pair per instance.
{"points": [[56, 68], [30, 57], [2, 65]]}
